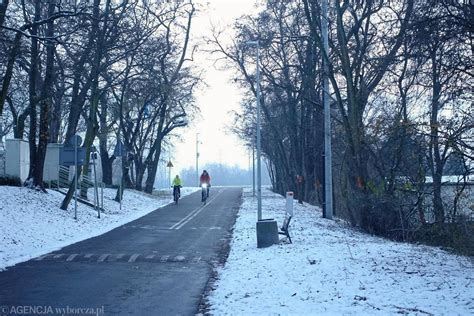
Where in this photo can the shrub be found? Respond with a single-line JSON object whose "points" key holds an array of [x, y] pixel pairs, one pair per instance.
{"points": [[458, 236], [10, 181]]}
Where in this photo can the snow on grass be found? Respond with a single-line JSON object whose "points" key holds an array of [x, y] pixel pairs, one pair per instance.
{"points": [[333, 269], [32, 224]]}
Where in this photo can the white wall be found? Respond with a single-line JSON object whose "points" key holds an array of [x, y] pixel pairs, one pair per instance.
{"points": [[17, 158], [51, 163]]}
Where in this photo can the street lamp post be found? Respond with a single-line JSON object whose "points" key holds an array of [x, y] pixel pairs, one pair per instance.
{"points": [[267, 230], [259, 166], [253, 167]]}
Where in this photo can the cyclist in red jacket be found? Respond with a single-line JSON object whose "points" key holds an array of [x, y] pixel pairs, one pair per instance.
{"points": [[205, 179]]}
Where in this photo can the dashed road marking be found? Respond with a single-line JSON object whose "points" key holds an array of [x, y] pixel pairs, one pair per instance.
{"points": [[133, 257], [179, 258], [103, 257], [41, 257], [107, 258], [71, 257]]}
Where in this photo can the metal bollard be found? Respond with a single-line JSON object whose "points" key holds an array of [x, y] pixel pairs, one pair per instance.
{"points": [[102, 196], [289, 203]]}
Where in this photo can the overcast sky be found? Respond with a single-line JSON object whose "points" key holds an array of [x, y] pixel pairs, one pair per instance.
{"points": [[215, 101]]}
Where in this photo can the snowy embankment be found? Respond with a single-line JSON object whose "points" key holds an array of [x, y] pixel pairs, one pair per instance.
{"points": [[32, 224], [333, 269]]}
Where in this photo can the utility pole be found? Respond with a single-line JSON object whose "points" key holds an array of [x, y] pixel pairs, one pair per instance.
{"points": [[327, 117], [253, 167]]}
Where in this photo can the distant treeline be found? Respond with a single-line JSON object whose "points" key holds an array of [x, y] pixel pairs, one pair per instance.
{"points": [[224, 175]]}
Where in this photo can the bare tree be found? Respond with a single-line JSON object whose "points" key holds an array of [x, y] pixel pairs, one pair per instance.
{"points": [[291, 89]]}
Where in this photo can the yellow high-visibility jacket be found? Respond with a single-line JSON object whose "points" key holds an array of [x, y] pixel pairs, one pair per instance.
{"points": [[177, 182]]}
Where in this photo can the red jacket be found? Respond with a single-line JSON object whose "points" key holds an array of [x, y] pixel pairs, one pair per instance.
{"points": [[205, 178]]}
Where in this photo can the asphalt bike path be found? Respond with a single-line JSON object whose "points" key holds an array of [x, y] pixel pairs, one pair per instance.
{"points": [[158, 264]]}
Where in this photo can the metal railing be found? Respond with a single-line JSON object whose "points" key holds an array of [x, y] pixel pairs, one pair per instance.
{"points": [[85, 182]]}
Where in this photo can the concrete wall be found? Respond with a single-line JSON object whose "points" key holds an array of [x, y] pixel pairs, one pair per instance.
{"points": [[51, 163], [18, 162], [17, 158]]}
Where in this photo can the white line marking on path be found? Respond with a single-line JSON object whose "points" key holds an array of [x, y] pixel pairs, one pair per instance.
{"points": [[164, 258], [193, 214], [179, 258], [150, 257], [103, 257], [58, 256], [42, 257], [133, 257], [89, 255], [71, 257]]}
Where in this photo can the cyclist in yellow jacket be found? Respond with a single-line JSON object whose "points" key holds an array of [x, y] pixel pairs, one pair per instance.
{"points": [[177, 184]]}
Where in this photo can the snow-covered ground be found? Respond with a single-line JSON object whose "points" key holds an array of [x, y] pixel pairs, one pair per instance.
{"points": [[32, 224], [333, 269]]}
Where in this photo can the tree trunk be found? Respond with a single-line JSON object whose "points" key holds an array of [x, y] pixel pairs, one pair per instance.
{"points": [[435, 161], [152, 168], [107, 163], [88, 140], [91, 133], [33, 78], [55, 123], [106, 160], [92, 125], [3, 11], [82, 85], [140, 172], [45, 103], [19, 120], [437, 200], [126, 173], [9, 69], [150, 181]]}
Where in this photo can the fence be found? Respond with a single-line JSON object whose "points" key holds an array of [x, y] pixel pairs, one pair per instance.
{"points": [[65, 178]]}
